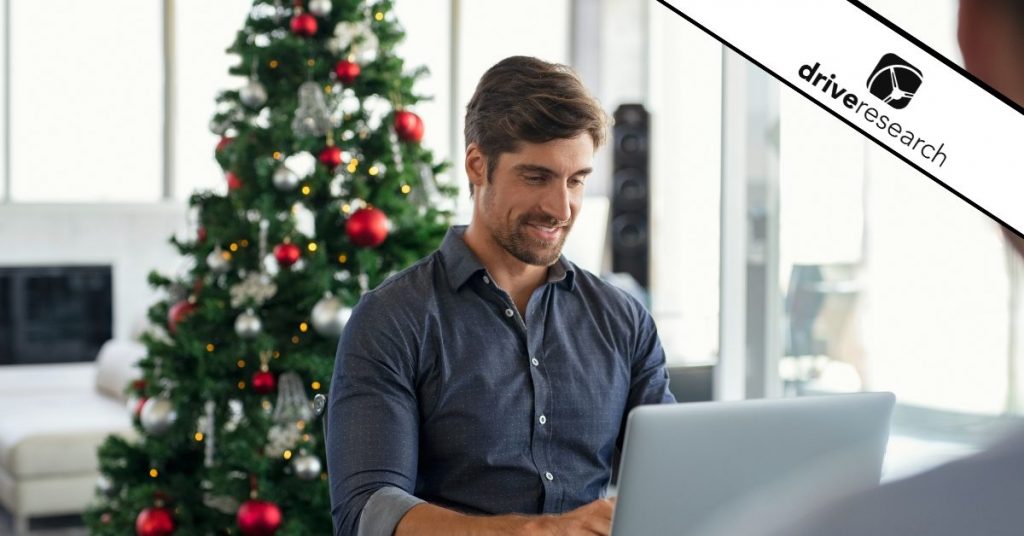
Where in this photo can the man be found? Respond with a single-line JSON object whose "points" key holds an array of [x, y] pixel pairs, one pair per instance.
{"points": [[484, 390], [982, 494]]}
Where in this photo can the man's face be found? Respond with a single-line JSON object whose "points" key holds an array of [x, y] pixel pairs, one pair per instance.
{"points": [[533, 197]]}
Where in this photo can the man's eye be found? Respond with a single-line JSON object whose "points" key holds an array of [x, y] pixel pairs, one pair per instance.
{"points": [[535, 178]]}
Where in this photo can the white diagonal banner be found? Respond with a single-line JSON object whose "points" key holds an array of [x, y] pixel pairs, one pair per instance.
{"points": [[889, 86]]}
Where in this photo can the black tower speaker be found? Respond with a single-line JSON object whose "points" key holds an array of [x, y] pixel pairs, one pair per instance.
{"points": [[631, 206]]}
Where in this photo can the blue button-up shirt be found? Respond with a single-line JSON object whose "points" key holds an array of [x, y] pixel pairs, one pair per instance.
{"points": [[442, 391]]}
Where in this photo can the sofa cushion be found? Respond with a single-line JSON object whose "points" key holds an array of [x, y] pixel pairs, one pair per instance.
{"points": [[51, 432], [115, 366], [65, 377]]}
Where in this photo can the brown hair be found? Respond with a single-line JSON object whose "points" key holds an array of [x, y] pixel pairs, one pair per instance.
{"points": [[524, 99]]}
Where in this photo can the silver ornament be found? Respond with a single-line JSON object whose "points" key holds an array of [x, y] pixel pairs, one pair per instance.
{"points": [[330, 316], [320, 8], [106, 487], [307, 467], [285, 179], [158, 414], [292, 403], [248, 325], [312, 118], [217, 261], [366, 49], [256, 288], [253, 95]]}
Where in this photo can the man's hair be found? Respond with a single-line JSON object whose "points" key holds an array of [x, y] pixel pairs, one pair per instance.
{"points": [[524, 99]]}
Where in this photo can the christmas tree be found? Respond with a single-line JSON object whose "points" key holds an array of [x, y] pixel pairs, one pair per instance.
{"points": [[328, 192]]}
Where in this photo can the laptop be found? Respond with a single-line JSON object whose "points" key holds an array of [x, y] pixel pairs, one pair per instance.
{"points": [[698, 468]]}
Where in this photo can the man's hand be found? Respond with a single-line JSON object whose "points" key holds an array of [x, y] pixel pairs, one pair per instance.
{"points": [[589, 519]]}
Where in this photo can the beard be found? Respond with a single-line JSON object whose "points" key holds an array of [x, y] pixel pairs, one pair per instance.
{"points": [[517, 241]]}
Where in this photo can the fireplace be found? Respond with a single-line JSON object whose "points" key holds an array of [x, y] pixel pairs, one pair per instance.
{"points": [[54, 314]]}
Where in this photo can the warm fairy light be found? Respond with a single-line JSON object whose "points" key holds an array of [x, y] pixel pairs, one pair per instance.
{"points": [[154, 473], [244, 243], [241, 384], [274, 64], [226, 255], [328, 88], [406, 189], [306, 189], [311, 247], [373, 171], [295, 339], [277, 155], [210, 347], [233, 247], [241, 363], [305, 437], [353, 166], [311, 62], [342, 259], [378, 16], [315, 386], [277, 354], [301, 425], [303, 327], [287, 454], [199, 436], [346, 208], [265, 404]]}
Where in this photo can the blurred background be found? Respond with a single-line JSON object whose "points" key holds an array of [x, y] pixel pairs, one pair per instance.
{"points": [[780, 252]]}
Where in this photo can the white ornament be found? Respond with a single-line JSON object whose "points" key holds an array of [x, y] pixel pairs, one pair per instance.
{"points": [[158, 414], [253, 95], [285, 179], [217, 261], [330, 316], [255, 288], [248, 325], [320, 8]]}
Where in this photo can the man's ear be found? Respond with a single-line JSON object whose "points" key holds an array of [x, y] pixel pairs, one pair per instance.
{"points": [[476, 165]]}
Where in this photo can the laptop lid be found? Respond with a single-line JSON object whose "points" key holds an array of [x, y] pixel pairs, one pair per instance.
{"points": [[686, 466]]}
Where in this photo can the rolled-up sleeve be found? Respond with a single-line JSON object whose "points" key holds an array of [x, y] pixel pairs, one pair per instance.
{"points": [[648, 376], [372, 419]]}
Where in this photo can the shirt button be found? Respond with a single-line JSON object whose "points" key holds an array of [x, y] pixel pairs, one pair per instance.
{"points": [[509, 313], [487, 280], [534, 362], [543, 419], [549, 476]]}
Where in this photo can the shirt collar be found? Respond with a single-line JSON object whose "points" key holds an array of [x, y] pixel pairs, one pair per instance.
{"points": [[461, 264]]}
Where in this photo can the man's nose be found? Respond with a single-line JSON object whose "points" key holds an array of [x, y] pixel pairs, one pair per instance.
{"points": [[557, 202]]}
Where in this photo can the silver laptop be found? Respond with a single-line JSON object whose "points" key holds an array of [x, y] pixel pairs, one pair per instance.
{"points": [[694, 469]]}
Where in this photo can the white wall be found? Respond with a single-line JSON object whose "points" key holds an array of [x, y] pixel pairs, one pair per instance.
{"points": [[131, 238]]}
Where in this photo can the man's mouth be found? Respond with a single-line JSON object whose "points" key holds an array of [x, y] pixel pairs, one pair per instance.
{"points": [[543, 232]]}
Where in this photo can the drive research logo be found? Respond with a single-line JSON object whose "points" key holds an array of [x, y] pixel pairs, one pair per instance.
{"points": [[894, 81]]}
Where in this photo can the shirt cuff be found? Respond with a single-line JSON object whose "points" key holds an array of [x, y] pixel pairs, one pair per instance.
{"points": [[384, 510]]}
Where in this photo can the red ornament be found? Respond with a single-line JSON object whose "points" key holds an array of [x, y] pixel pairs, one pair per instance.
{"points": [[264, 382], [224, 142], [154, 521], [258, 518], [408, 126], [138, 385], [201, 234], [234, 182], [367, 227], [330, 156], [178, 312], [137, 410], [347, 71], [304, 25], [287, 253]]}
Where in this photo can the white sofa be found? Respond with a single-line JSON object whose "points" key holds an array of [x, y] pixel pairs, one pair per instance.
{"points": [[52, 420]]}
